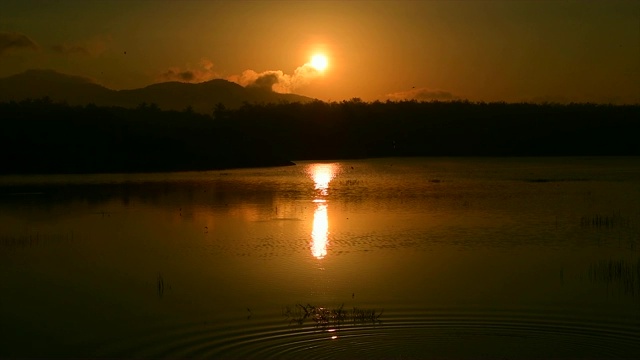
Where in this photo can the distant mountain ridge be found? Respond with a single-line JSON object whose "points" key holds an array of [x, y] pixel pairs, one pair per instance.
{"points": [[77, 90]]}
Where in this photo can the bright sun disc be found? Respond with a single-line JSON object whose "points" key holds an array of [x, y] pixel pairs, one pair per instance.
{"points": [[319, 62]]}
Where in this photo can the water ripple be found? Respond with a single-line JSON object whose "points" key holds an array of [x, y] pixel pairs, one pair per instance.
{"points": [[401, 334]]}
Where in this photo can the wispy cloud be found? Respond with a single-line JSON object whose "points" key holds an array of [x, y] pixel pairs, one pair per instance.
{"points": [[421, 94], [93, 47], [202, 72], [70, 49], [277, 80], [13, 41]]}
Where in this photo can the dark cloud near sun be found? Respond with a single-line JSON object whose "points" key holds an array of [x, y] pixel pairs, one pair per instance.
{"points": [[203, 72], [178, 75], [265, 81], [277, 80], [14, 41], [422, 94]]}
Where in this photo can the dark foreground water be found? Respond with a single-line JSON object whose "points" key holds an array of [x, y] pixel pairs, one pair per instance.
{"points": [[381, 258]]}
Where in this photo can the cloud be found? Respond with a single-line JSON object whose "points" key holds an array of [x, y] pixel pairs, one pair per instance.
{"points": [[266, 81], [277, 80], [12, 41], [93, 47], [70, 49], [175, 74], [272, 80], [421, 94], [203, 72]]}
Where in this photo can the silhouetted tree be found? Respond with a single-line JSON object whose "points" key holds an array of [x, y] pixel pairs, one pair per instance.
{"points": [[42, 136]]}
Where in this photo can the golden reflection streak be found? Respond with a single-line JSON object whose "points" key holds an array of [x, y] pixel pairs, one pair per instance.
{"points": [[320, 232], [322, 174]]}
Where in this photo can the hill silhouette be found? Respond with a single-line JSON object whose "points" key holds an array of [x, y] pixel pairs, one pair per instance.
{"points": [[76, 90]]}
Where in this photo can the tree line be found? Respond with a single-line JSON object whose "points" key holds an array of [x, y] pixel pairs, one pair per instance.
{"points": [[41, 136]]}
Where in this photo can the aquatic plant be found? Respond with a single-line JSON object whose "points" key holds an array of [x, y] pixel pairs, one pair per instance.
{"points": [[624, 273], [160, 286], [325, 317], [547, 180], [351, 182], [33, 239], [605, 221]]}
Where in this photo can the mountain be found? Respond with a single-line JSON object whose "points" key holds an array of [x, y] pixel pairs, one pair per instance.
{"points": [[40, 83], [76, 90]]}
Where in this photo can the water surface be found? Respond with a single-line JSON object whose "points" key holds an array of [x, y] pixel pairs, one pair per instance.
{"points": [[377, 258]]}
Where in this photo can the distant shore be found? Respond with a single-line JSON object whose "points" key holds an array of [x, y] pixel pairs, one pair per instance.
{"points": [[43, 137], [141, 170]]}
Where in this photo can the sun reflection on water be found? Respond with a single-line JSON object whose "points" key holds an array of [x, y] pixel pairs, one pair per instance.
{"points": [[320, 231], [322, 174]]}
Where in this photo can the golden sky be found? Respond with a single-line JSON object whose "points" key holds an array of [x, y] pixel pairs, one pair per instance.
{"points": [[478, 50]]}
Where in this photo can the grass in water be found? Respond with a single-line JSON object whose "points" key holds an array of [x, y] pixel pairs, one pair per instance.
{"points": [[160, 286], [325, 317], [33, 239], [625, 273], [605, 221]]}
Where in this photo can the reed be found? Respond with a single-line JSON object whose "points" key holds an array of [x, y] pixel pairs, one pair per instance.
{"points": [[160, 286], [326, 317], [351, 182], [624, 273], [605, 221], [33, 239]]}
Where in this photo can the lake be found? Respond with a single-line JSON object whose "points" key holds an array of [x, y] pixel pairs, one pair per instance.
{"points": [[391, 258]]}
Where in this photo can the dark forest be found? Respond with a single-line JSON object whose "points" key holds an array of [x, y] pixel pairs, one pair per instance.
{"points": [[41, 136]]}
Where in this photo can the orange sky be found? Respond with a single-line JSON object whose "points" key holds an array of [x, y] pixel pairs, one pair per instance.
{"points": [[476, 50]]}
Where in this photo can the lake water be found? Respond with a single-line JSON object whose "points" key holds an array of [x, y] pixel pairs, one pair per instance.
{"points": [[393, 258]]}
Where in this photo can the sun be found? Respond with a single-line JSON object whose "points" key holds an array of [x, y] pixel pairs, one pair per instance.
{"points": [[319, 62]]}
